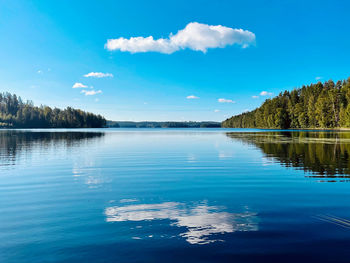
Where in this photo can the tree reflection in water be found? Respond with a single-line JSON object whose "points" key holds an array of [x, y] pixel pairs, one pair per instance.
{"points": [[14, 143], [324, 154]]}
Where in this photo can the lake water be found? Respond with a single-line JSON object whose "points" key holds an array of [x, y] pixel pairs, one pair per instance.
{"points": [[174, 195]]}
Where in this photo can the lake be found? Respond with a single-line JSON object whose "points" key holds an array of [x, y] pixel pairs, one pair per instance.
{"points": [[174, 195]]}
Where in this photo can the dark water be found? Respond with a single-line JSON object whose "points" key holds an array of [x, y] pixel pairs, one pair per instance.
{"points": [[168, 195]]}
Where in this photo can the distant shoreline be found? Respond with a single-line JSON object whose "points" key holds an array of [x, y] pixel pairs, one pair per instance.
{"points": [[163, 124]]}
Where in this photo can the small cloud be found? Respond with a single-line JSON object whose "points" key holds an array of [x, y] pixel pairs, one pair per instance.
{"points": [[145, 103], [98, 75], [318, 78], [192, 97], [246, 110], [226, 101], [255, 97], [79, 85], [265, 93], [216, 110], [195, 36], [39, 71], [97, 99], [91, 92]]}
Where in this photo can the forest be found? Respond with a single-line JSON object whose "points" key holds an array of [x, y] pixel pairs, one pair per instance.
{"points": [[321, 105], [14, 113]]}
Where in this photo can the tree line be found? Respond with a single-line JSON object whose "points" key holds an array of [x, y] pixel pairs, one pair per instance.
{"points": [[14, 113], [320, 105]]}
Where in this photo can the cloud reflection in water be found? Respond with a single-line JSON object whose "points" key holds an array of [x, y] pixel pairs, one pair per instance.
{"points": [[201, 221]]}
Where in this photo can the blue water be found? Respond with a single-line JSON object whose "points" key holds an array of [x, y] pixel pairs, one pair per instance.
{"points": [[174, 195]]}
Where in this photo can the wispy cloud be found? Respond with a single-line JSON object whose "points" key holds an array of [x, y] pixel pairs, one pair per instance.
{"points": [[79, 85], [195, 36], [265, 93], [318, 78], [91, 92], [226, 101], [255, 97], [216, 110], [98, 75], [39, 71], [192, 97]]}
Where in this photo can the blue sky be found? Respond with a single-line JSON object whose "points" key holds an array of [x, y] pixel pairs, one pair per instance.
{"points": [[48, 46]]}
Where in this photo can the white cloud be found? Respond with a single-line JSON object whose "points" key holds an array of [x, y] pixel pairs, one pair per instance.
{"points": [[226, 101], [98, 75], [216, 110], [39, 71], [192, 97], [195, 36], [255, 97], [91, 92], [318, 78], [79, 85], [265, 93]]}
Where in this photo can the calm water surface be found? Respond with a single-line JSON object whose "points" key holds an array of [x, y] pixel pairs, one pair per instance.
{"points": [[174, 195]]}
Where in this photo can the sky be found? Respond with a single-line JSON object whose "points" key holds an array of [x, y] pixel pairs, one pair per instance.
{"points": [[169, 60]]}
